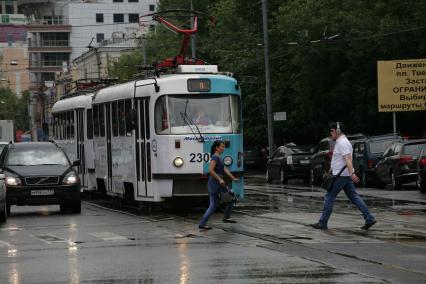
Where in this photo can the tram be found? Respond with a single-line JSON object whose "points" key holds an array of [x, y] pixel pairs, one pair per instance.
{"points": [[73, 132], [149, 141]]}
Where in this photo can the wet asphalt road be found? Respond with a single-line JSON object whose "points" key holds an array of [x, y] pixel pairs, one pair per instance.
{"points": [[271, 243]]}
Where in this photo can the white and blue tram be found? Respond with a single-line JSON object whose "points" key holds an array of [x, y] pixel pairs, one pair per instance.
{"points": [[73, 131], [149, 141]]}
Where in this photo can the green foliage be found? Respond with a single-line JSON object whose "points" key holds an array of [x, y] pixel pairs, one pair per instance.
{"points": [[323, 56], [13, 108]]}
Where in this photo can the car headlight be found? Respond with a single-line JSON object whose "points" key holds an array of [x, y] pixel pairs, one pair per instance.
{"points": [[178, 162], [70, 178], [12, 180], [227, 161]]}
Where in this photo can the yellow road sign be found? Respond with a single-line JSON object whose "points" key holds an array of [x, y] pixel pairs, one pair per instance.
{"points": [[401, 85]]}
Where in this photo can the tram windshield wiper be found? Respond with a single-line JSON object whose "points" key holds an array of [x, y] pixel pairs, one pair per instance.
{"points": [[190, 123]]}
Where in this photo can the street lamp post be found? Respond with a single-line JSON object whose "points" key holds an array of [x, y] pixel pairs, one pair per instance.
{"points": [[267, 77]]}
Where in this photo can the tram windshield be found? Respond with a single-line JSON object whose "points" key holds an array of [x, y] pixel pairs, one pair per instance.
{"points": [[180, 114]]}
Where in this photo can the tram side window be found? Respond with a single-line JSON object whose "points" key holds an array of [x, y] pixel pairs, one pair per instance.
{"points": [[89, 125], [101, 121], [236, 114], [161, 117], [114, 119], [96, 120], [63, 126], [67, 125], [54, 127], [71, 125], [128, 108], [121, 118], [60, 126]]}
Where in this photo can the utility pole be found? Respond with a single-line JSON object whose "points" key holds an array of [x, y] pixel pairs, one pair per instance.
{"points": [[267, 78], [193, 47]]}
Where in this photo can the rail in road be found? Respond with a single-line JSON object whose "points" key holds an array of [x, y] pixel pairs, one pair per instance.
{"points": [[278, 216]]}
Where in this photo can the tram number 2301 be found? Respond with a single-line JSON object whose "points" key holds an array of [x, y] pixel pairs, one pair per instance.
{"points": [[199, 157]]}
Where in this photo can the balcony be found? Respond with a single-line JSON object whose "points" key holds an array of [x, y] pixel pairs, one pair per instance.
{"points": [[41, 28], [49, 43], [46, 65], [49, 46]]}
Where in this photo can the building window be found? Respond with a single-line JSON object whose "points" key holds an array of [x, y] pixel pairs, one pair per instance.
{"points": [[118, 18], [99, 18], [133, 1], [100, 37], [152, 7], [117, 1], [133, 18]]}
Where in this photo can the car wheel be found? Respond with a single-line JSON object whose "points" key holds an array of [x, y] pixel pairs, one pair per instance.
{"points": [[363, 178], [395, 183], [76, 206], [8, 209], [3, 214], [268, 177], [312, 179], [63, 207], [421, 185], [283, 177]]}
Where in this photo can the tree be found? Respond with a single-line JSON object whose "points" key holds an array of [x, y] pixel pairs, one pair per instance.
{"points": [[13, 108]]}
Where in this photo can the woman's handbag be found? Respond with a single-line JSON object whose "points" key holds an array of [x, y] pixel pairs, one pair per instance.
{"points": [[328, 179], [226, 197]]}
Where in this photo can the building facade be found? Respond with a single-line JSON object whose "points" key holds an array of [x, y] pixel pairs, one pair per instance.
{"points": [[94, 21]]}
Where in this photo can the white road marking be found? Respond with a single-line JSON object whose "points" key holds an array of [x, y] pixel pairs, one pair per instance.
{"points": [[108, 236], [49, 238], [4, 244]]}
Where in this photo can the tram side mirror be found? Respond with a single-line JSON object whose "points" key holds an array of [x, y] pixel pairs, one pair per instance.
{"points": [[133, 118], [76, 163]]}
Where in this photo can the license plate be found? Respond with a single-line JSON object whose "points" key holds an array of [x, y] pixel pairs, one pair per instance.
{"points": [[305, 162], [42, 192]]}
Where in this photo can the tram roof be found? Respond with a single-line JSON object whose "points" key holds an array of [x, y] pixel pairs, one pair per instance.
{"points": [[82, 101], [169, 84]]}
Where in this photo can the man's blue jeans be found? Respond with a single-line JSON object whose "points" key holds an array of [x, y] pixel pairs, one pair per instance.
{"points": [[214, 203], [348, 186]]}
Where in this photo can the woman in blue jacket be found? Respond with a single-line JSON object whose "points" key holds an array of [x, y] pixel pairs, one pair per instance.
{"points": [[216, 184]]}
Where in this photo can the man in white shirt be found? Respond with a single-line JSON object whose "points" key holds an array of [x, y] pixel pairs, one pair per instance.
{"points": [[342, 157]]}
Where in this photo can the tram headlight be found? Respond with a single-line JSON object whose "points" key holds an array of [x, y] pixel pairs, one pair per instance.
{"points": [[178, 162], [227, 161]]}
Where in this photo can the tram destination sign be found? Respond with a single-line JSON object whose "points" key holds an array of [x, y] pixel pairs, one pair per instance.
{"points": [[401, 85]]}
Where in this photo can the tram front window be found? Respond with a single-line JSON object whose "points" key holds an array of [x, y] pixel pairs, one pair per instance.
{"points": [[211, 114]]}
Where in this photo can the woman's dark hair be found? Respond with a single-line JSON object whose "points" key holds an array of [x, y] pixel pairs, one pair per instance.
{"points": [[215, 144]]}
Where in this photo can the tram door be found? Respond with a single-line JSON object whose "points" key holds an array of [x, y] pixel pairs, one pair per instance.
{"points": [[108, 147], [80, 146], [143, 148]]}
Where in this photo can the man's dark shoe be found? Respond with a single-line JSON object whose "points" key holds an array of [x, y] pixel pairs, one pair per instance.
{"points": [[201, 227], [228, 221], [368, 225], [317, 226]]}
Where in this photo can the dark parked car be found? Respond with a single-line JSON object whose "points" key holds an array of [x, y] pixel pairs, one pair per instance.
{"points": [[39, 173], [421, 170], [253, 158], [289, 161], [3, 207], [321, 159], [367, 153], [398, 164]]}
